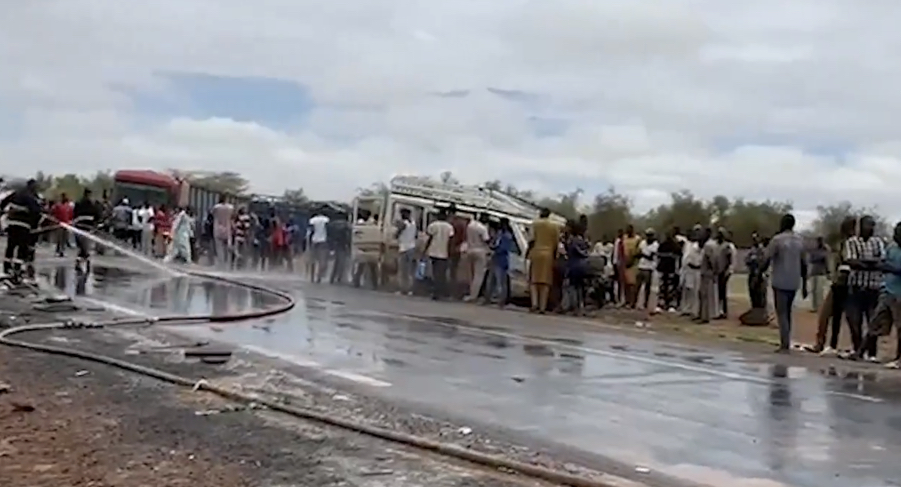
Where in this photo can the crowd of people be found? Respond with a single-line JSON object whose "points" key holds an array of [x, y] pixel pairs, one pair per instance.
{"points": [[469, 259], [686, 274], [227, 237]]}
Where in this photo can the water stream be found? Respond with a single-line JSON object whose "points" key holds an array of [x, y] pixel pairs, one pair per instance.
{"points": [[124, 251]]}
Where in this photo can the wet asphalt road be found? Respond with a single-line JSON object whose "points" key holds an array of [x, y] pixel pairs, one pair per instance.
{"points": [[706, 416]]}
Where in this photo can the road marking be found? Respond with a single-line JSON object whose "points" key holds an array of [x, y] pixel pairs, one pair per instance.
{"points": [[635, 358], [305, 362]]}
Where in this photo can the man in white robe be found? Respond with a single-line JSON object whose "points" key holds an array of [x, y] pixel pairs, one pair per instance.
{"points": [[691, 274], [182, 231]]}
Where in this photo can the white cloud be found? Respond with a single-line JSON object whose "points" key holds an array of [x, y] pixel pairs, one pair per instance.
{"points": [[650, 91]]}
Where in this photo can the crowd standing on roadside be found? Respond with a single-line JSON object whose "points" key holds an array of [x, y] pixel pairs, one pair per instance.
{"points": [[469, 260]]}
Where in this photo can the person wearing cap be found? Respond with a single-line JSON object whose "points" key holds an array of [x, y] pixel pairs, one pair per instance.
{"points": [[121, 220], [647, 264]]}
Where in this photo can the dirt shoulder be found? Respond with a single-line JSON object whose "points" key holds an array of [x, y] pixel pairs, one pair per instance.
{"points": [[68, 422]]}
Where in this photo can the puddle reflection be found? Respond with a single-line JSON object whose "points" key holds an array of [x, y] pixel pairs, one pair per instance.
{"points": [[184, 294]]}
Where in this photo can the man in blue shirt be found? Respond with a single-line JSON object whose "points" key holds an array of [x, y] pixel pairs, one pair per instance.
{"points": [[888, 311], [498, 275]]}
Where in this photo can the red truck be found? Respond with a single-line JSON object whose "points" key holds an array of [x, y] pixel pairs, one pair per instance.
{"points": [[158, 188]]}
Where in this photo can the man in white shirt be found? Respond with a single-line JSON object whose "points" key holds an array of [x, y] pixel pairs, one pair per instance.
{"points": [[144, 223], [437, 249], [223, 214], [318, 234], [406, 246], [691, 274], [647, 264], [476, 256]]}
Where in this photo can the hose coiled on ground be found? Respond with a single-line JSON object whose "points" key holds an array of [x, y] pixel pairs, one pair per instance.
{"points": [[288, 303]]}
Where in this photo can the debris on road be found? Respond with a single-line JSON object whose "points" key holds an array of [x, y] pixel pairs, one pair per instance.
{"points": [[81, 373], [21, 407]]}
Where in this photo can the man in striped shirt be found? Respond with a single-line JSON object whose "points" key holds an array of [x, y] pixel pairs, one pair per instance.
{"points": [[242, 238], [863, 254]]}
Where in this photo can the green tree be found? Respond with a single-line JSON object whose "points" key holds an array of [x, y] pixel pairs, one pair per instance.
{"points": [[684, 211], [610, 212], [830, 217], [747, 217], [295, 196]]}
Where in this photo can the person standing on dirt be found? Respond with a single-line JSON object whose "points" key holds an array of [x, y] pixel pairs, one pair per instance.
{"points": [[835, 304], [669, 255], [888, 311], [86, 215], [25, 213], [754, 262], [725, 259], [223, 214], [819, 272], [707, 288], [647, 264], [691, 274], [618, 267], [787, 257], [863, 255]]}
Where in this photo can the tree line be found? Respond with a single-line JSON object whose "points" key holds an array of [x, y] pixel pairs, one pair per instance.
{"points": [[607, 212]]}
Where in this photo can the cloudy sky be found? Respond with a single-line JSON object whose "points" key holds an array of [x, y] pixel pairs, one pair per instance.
{"points": [[788, 99]]}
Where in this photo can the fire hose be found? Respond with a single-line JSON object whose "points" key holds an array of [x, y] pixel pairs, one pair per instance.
{"points": [[198, 384]]}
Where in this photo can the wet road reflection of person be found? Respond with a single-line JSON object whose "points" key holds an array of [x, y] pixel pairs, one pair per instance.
{"points": [[67, 280], [781, 420]]}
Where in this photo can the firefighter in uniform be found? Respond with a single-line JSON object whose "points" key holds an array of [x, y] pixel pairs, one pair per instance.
{"points": [[86, 215], [24, 214]]}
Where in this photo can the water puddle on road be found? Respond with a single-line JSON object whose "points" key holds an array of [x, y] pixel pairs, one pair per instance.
{"points": [[155, 295]]}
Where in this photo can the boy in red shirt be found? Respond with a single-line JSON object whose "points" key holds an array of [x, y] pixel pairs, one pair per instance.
{"points": [[62, 212]]}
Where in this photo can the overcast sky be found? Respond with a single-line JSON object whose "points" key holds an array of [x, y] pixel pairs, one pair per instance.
{"points": [[788, 99]]}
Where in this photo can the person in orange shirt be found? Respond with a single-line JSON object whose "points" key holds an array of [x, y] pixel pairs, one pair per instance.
{"points": [[162, 225], [542, 255], [62, 212]]}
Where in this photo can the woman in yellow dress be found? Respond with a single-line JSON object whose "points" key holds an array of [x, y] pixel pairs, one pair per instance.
{"points": [[542, 255], [630, 259]]}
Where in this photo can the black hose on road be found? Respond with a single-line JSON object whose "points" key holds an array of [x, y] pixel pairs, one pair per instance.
{"points": [[288, 303]]}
